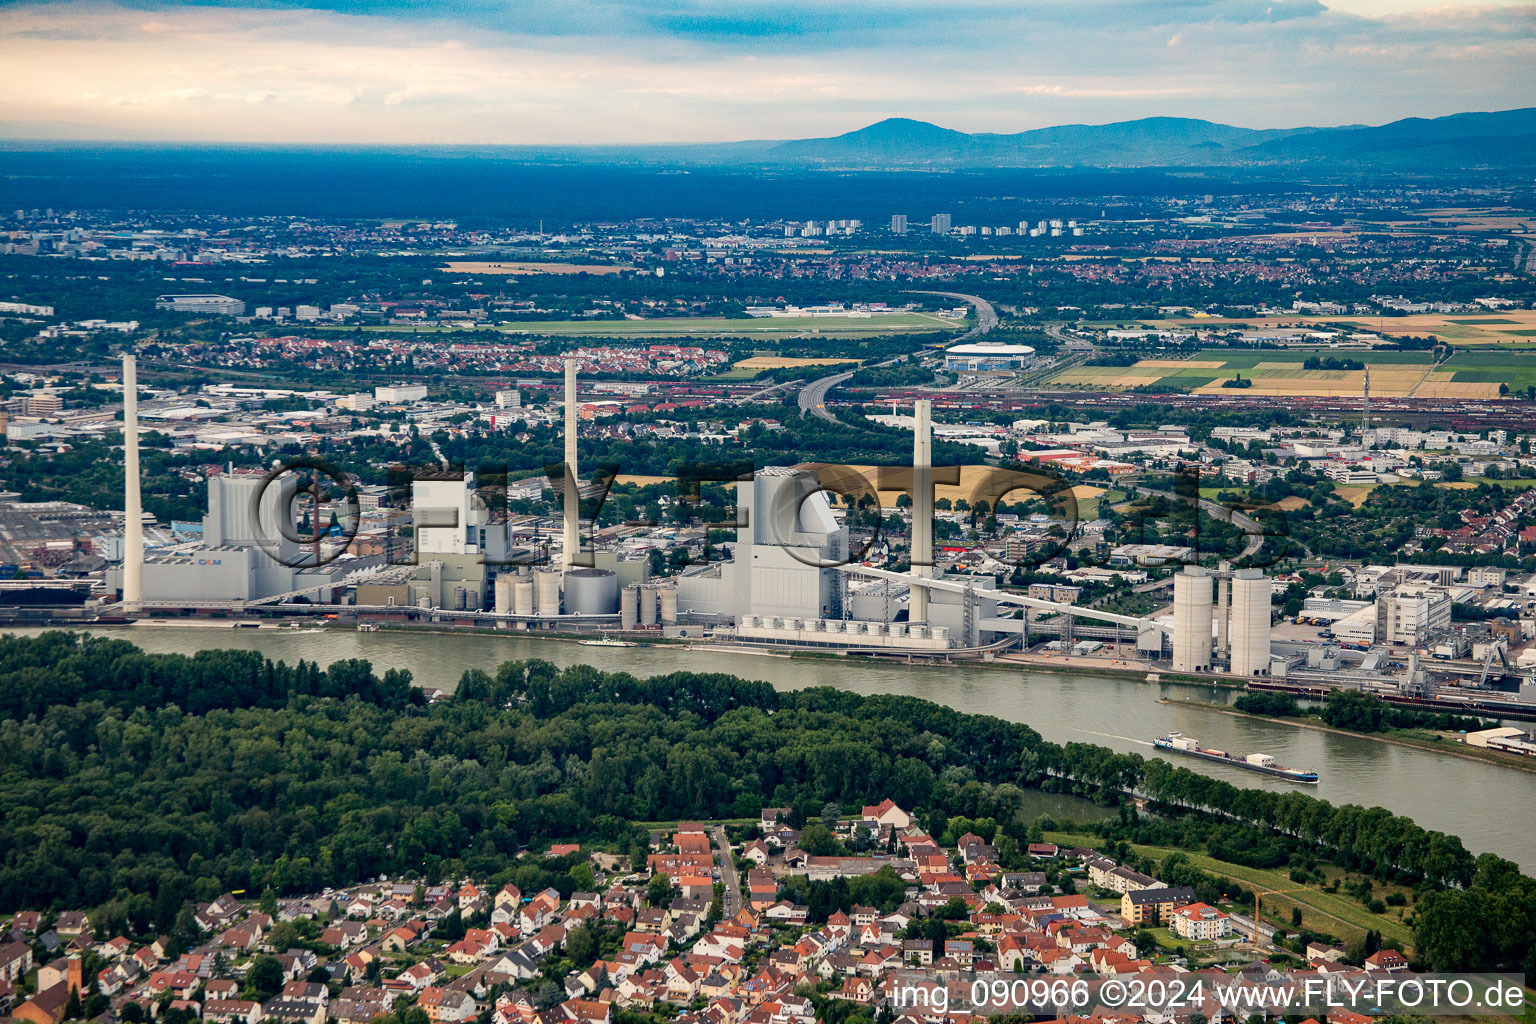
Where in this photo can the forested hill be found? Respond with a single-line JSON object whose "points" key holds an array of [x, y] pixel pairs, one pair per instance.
{"points": [[133, 784]]}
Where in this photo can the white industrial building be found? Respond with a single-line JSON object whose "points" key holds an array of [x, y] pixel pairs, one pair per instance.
{"points": [[217, 305], [246, 551], [783, 562], [400, 393], [1409, 615]]}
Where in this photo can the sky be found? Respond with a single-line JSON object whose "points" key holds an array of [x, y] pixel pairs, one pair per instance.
{"points": [[647, 71]]}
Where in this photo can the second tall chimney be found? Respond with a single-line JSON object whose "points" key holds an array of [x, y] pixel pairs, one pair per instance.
{"points": [[922, 507], [133, 508], [571, 542]]}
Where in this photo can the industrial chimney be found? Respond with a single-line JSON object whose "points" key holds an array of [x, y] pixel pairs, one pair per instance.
{"points": [[922, 507], [571, 544], [133, 508]]}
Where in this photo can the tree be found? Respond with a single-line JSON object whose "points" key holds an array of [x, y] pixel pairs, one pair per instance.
{"points": [[265, 978], [580, 944], [658, 891], [818, 840]]}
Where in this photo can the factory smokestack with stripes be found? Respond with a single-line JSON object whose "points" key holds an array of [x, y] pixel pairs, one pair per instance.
{"points": [[922, 506], [571, 541], [133, 507]]}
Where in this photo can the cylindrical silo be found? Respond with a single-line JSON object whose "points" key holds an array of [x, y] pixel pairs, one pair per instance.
{"points": [[591, 592], [522, 596], [648, 604], [1250, 623], [668, 605], [503, 595], [629, 608], [546, 587], [1192, 620]]}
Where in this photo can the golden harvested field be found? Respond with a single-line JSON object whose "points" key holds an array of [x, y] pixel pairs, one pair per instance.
{"points": [[482, 267], [641, 479], [1482, 327], [1111, 376], [973, 486], [1291, 503], [779, 362], [1282, 374], [1355, 494], [1289, 379], [1437, 387]]}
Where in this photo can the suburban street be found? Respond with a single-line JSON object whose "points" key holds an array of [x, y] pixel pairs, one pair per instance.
{"points": [[727, 872]]}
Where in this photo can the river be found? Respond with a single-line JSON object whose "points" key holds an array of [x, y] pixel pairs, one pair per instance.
{"points": [[1488, 806]]}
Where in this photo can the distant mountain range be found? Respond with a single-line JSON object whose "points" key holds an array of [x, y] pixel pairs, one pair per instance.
{"points": [[1503, 139]]}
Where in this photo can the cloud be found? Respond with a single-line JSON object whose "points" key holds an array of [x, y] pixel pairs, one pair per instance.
{"points": [[702, 70]]}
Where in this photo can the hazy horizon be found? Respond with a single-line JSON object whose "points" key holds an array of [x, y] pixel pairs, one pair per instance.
{"points": [[628, 72]]}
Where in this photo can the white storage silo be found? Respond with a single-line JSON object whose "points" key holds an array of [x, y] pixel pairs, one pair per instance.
{"points": [[1192, 620], [547, 592], [591, 592], [503, 595], [629, 608], [1250, 623], [668, 605], [522, 596], [648, 606]]}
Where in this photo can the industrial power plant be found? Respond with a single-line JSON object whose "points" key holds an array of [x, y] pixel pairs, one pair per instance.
{"points": [[789, 582]]}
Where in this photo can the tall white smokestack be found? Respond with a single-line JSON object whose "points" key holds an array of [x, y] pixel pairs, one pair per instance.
{"points": [[922, 506], [571, 543], [133, 508]]}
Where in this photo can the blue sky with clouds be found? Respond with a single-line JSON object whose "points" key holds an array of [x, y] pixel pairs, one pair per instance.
{"points": [[599, 71]]}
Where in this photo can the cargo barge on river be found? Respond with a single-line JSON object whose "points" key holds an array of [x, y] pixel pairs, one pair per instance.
{"points": [[1178, 743]]}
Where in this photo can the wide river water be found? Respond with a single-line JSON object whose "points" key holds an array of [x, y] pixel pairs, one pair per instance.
{"points": [[1488, 806]]}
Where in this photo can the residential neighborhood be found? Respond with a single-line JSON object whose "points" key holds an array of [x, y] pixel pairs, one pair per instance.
{"points": [[664, 940]]}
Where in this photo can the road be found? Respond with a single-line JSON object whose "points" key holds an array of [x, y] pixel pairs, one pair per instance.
{"points": [[727, 872], [1249, 525], [813, 397], [986, 316]]}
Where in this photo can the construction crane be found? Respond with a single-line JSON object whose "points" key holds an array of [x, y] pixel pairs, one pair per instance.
{"points": [[1258, 897]]}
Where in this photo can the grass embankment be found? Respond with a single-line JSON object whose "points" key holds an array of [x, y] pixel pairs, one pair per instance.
{"points": [[1321, 911]]}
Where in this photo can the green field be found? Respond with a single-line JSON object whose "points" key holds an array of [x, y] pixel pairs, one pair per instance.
{"points": [[705, 327], [1469, 374], [1332, 913]]}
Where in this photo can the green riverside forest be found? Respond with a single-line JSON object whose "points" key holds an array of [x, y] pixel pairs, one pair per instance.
{"points": [[134, 784]]}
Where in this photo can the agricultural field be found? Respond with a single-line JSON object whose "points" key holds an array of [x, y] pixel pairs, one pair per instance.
{"points": [[782, 362], [1471, 375], [1508, 327], [708, 327], [976, 483], [510, 268]]}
